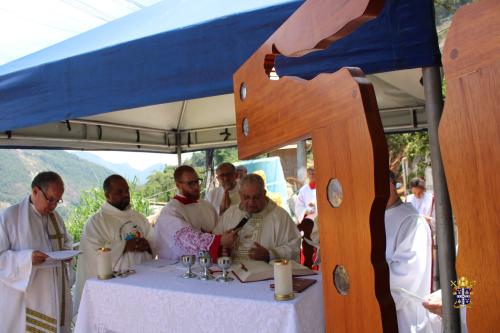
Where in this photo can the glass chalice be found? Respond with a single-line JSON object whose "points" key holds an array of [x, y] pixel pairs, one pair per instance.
{"points": [[205, 263], [224, 263], [188, 261]]}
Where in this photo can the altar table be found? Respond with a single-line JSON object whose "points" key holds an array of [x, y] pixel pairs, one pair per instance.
{"points": [[157, 299]]}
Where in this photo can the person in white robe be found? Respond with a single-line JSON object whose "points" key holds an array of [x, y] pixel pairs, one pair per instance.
{"points": [[35, 292], [227, 193], [408, 254], [423, 202], [269, 233], [116, 226], [185, 224], [306, 212]]}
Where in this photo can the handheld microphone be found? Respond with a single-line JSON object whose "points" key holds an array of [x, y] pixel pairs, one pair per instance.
{"points": [[243, 221]]}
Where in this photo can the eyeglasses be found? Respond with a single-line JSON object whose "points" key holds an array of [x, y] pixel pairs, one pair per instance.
{"points": [[192, 183], [50, 201]]}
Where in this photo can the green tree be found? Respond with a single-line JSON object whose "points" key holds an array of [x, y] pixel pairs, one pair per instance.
{"points": [[414, 146]]}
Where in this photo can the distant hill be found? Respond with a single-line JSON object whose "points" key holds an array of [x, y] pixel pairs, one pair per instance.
{"points": [[18, 167], [123, 169]]}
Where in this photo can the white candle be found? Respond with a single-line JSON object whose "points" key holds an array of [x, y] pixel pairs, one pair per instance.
{"points": [[283, 283], [104, 269]]}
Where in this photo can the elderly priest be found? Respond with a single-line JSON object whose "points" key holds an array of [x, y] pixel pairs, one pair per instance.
{"points": [[265, 230], [34, 295], [186, 222], [126, 232]]}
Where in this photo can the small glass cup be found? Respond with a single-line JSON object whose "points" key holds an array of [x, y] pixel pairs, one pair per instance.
{"points": [[224, 263], [188, 261], [205, 263]]}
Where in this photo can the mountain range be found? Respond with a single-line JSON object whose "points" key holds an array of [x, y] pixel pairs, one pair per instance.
{"points": [[123, 169], [19, 166]]}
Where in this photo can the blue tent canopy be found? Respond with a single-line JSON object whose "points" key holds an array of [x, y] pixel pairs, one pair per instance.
{"points": [[181, 50]]}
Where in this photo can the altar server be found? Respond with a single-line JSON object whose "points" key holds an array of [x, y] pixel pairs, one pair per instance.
{"points": [[126, 232], [186, 222], [306, 212], [269, 233], [35, 295]]}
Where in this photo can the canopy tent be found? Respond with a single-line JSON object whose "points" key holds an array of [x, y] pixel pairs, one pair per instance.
{"points": [[161, 79]]}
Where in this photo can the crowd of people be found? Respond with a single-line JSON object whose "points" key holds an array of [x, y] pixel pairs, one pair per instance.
{"points": [[36, 297]]}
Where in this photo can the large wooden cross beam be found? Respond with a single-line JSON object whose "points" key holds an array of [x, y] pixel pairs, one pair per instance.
{"points": [[340, 113]]}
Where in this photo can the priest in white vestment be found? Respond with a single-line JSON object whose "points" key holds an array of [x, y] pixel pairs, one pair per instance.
{"points": [[269, 233], [34, 292], [227, 194], [408, 254], [117, 226], [185, 224]]}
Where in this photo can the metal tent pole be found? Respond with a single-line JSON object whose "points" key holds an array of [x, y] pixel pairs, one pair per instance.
{"points": [[444, 218]]}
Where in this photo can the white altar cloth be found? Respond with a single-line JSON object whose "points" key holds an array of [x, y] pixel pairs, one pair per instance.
{"points": [[159, 300]]}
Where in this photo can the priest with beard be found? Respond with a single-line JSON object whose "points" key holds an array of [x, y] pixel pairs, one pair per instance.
{"points": [[126, 232], [34, 293]]}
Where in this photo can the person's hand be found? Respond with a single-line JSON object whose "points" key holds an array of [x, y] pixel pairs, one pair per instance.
{"points": [[311, 208], [258, 252], [38, 257], [434, 303], [137, 245], [228, 239]]}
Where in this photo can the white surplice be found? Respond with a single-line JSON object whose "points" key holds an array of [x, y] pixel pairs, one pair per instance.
{"points": [[216, 195], [110, 227], [33, 297], [425, 207], [305, 205], [272, 228], [408, 254], [184, 228]]}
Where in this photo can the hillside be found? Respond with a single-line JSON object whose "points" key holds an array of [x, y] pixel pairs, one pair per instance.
{"points": [[123, 169], [18, 167]]}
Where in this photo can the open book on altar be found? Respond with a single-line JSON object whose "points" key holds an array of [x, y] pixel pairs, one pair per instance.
{"points": [[252, 270]]}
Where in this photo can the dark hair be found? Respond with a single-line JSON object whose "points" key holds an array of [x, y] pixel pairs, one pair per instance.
{"points": [[226, 164], [392, 177], [241, 167], [43, 179], [417, 182], [106, 185], [253, 178], [181, 170]]}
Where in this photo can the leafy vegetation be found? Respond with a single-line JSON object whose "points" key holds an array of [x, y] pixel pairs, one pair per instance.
{"points": [[414, 146]]}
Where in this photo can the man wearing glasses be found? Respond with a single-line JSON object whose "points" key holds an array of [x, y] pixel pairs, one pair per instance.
{"points": [[35, 295], [227, 193], [186, 222]]}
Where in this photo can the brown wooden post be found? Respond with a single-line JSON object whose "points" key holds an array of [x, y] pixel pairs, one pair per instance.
{"points": [[340, 113], [470, 146]]}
